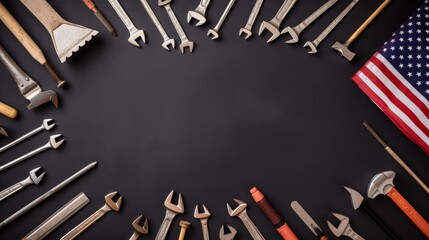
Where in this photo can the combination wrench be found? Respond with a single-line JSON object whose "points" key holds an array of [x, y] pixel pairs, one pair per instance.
{"points": [[31, 179], [203, 217], [171, 212], [248, 28], [214, 32], [241, 213], [199, 13]]}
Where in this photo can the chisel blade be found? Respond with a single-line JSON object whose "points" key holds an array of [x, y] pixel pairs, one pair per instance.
{"points": [[311, 224], [3, 132]]}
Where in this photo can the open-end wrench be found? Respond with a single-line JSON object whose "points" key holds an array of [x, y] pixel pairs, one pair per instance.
{"points": [[295, 31], [274, 24], [214, 32], [3, 132], [241, 213], [344, 229], [138, 230], [248, 28], [227, 236], [108, 206], [31, 179], [46, 125], [313, 44], [203, 217], [134, 32], [185, 41], [171, 211], [199, 13], [167, 41], [53, 143]]}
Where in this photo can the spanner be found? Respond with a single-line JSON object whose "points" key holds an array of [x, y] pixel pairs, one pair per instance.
{"points": [[108, 206], [185, 41], [313, 44], [32, 179], [46, 125], [228, 236], [134, 32], [241, 213], [53, 143], [295, 31], [203, 217], [199, 13], [248, 28], [171, 211], [138, 230], [158, 25], [274, 24], [344, 228], [214, 32]]}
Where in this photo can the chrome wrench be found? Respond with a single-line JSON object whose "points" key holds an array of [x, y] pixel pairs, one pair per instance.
{"points": [[203, 217], [214, 32], [171, 212], [199, 13], [241, 213], [31, 179], [248, 28]]}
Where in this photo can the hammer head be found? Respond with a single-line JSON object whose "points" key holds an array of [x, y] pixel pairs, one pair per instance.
{"points": [[33, 176], [141, 229], [48, 124], [43, 97], [344, 50], [179, 208], [355, 197], [241, 207], [53, 141], [109, 201], [381, 183]]}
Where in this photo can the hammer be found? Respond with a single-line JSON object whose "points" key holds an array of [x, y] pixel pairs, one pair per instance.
{"points": [[343, 48]]}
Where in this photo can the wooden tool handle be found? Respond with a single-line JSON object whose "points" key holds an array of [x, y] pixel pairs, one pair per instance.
{"points": [[44, 13], [8, 111]]}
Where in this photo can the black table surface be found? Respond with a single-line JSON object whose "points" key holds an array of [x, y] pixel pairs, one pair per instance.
{"points": [[210, 125]]}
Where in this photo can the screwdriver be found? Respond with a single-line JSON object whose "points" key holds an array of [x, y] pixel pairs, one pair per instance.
{"points": [[90, 4]]}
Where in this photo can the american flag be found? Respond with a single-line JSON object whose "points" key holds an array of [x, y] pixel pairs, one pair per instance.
{"points": [[396, 77]]}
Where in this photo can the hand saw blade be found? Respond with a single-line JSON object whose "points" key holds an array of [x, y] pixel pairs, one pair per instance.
{"points": [[306, 218]]}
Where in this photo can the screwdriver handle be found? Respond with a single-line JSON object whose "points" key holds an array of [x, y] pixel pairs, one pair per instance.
{"points": [[8, 111]]}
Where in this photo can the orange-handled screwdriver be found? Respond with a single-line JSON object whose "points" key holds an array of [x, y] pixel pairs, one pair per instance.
{"points": [[90, 4]]}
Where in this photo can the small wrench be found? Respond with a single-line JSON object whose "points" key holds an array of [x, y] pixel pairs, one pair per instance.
{"points": [[53, 143], [248, 28], [344, 228], [138, 230], [294, 32], [134, 32], [46, 125], [274, 24], [313, 44], [199, 13], [228, 236], [241, 213], [32, 179], [203, 217], [108, 206], [171, 211], [214, 32]]}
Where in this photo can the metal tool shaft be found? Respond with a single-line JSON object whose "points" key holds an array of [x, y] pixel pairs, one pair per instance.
{"points": [[26, 156], [35, 131], [251, 227], [165, 225], [224, 14], [14, 188]]}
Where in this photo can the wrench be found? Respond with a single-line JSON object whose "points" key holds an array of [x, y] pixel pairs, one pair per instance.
{"points": [[3, 132], [248, 28], [32, 179], [53, 143], [134, 32], [313, 44], [158, 25], [295, 31], [199, 13], [203, 217], [214, 32], [274, 24], [344, 228], [228, 236], [138, 230], [185, 41], [241, 213], [46, 125], [108, 206], [171, 211]]}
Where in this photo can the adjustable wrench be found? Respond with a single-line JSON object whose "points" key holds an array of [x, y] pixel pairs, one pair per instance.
{"points": [[248, 28], [274, 24], [241, 213], [108, 206], [53, 143], [138, 230], [171, 211], [134, 32], [32, 179], [158, 25], [203, 217], [228, 236], [344, 229], [199, 13], [185, 41], [214, 32], [313, 44], [295, 31]]}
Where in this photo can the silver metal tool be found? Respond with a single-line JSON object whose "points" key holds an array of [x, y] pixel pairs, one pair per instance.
{"points": [[31, 179], [308, 220], [58, 218], [294, 32], [241, 213], [46, 195], [107, 207], [274, 24], [313, 44], [53, 143], [167, 41], [134, 32], [214, 32], [203, 217], [27, 86], [138, 230], [227, 236], [344, 229], [3, 132], [199, 13], [185, 42], [171, 212], [247, 29], [46, 125]]}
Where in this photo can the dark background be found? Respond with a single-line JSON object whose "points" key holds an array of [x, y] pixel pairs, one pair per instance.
{"points": [[210, 125]]}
